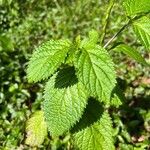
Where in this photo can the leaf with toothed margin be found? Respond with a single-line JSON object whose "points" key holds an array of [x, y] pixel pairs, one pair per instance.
{"points": [[63, 106], [95, 70], [36, 129], [142, 31], [134, 7], [90, 42], [97, 136], [117, 97], [46, 59]]}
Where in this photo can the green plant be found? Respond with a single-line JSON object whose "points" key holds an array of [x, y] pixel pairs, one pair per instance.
{"points": [[82, 85]]}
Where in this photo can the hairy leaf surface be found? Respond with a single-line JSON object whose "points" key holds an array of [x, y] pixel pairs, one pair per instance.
{"points": [[134, 7], [142, 30], [131, 53], [63, 107], [97, 136], [95, 70], [46, 59], [36, 129]]}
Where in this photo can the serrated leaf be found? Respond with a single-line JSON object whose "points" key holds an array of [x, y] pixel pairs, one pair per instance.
{"points": [[90, 42], [63, 107], [92, 114], [131, 53], [117, 97], [98, 136], [46, 59], [134, 7], [36, 129], [95, 70], [142, 30]]}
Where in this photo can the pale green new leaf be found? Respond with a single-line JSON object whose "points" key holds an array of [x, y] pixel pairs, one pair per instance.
{"points": [[93, 36], [46, 59], [91, 41], [116, 101], [131, 52], [36, 129], [142, 30], [63, 107], [134, 7], [98, 136], [117, 97], [95, 70]]}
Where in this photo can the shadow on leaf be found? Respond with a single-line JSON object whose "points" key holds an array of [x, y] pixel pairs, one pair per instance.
{"points": [[91, 114], [66, 77]]}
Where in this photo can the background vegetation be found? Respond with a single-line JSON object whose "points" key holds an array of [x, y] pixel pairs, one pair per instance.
{"points": [[26, 24]]}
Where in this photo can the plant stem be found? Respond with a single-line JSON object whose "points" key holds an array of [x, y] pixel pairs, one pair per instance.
{"points": [[105, 21], [130, 21], [126, 25]]}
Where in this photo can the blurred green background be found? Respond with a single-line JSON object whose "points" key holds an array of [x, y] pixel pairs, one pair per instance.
{"points": [[24, 24]]}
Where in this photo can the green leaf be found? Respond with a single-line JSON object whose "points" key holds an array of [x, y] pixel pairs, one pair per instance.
{"points": [[95, 70], [117, 97], [134, 7], [63, 106], [46, 59], [36, 129], [116, 101], [92, 114], [93, 36], [86, 43], [90, 42], [126, 146], [97, 136], [130, 52], [142, 30]]}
